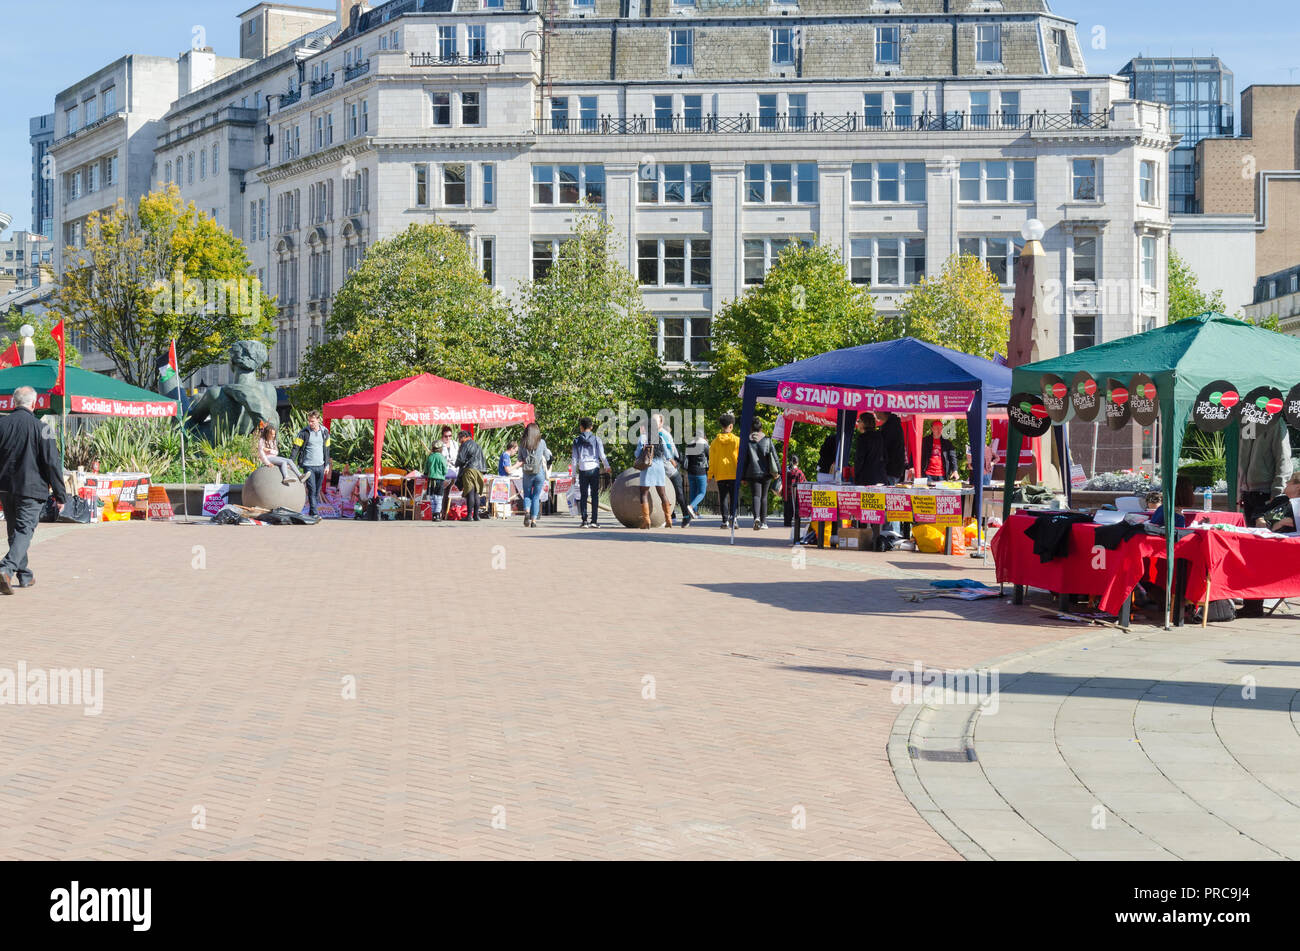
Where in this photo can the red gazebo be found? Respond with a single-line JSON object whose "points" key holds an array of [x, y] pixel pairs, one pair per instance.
{"points": [[427, 400]]}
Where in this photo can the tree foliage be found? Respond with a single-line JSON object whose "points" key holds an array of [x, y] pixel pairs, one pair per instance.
{"points": [[160, 272], [962, 309], [806, 305], [581, 337], [417, 304], [1186, 299], [46, 347]]}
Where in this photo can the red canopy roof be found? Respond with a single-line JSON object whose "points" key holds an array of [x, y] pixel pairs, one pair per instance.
{"points": [[429, 400]]}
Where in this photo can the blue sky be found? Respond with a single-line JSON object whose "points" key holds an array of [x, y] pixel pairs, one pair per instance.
{"points": [[49, 44]]}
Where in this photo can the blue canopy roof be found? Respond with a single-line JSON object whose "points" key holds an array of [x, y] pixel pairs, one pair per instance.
{"points": [[906, 364]]}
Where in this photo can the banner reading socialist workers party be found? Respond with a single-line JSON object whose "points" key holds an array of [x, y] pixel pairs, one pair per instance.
{"points": [[859, 400]]}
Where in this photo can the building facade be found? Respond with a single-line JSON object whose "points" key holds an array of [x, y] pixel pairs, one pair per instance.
{"points": [[26, 261], [1278, 295], [1258, 173], [1199, 93], [41, 135], [709, 133]]}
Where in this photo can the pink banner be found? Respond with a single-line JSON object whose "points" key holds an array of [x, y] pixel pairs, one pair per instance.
{"points": [[133, 409], [851, 505], [865, 400], [804, 496], [509, 414]]}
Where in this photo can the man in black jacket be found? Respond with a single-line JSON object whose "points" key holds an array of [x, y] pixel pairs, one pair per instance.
{"points": [[868, 453], [30, 472]]}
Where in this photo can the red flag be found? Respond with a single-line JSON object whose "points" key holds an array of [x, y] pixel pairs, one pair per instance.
{"points": [[10, 358], [57, 333]]}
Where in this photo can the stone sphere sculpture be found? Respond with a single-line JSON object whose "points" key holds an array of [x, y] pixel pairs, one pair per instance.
{"points": [[625, 501], [265, 489]]}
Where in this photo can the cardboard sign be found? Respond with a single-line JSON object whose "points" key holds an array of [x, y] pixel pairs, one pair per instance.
{"points": [[898, 507], [924, 509], [947, 511], [850, 505], [215, 498], [1078, 478], [871, 508], [499, 493], [824, 505], [160, 506], [803, 497]]}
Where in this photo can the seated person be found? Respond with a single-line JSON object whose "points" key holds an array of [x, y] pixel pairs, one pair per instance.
{"points": [[1280, 515], [1182, 500]]}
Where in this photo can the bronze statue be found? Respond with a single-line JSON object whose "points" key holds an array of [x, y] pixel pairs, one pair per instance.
{"points": [[237, 408]]}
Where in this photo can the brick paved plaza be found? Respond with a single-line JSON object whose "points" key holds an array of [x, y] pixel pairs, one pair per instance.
{"points": [[507, 711]]}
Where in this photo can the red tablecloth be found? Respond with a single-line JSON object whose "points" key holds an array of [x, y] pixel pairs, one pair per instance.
{"points": [[1086, 569], [1197, 516], [1240, 565]]}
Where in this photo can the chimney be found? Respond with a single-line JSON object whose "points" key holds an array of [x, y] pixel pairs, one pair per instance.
{"points": [[349, 10], [197, 68]]}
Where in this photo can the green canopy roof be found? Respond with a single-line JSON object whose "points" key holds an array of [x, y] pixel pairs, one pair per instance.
{"points": [[1182, 358], [88, 393]]}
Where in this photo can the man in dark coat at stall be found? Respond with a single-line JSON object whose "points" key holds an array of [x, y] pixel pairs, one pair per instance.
{"points": [[869, 453], [30, 472], [891, 430]]}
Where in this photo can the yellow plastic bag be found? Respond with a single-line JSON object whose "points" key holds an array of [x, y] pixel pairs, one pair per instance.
{"points": [[929, 539]]}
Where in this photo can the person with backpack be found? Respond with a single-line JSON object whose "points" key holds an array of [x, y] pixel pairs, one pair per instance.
{"points": [[762, 465], [311, 451], [697, 478], [535, 458], [724, 454], [588, 462]]}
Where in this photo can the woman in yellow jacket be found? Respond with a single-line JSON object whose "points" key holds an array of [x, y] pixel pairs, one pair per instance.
{"points": [[724, 453]]}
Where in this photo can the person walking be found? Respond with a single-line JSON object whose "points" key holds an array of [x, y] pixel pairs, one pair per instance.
{"points": [[470, 467], [794, 476], [724, 455], [267, 447], [673, 468], [30, 472], [697, 478], [311, 451], [535, 458], [762, 465], [588, 457], [435, 470], [868, 453], [655, 449]]}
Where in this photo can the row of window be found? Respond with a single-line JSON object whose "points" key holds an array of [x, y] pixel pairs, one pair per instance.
{"points": [[185, 171], [90, 178], [356, 117], [91, 109]]}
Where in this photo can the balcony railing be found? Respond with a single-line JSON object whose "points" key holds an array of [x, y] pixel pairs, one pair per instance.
{"points": [[289, 98], [352, 72], [482, 59], [821, 122], [322, 84], [102, 120]]}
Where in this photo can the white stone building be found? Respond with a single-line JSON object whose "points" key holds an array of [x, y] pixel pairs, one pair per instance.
{"points": [[710, 132]]}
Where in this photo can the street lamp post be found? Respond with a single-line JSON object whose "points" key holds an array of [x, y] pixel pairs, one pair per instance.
{"points": [[27, 350]]}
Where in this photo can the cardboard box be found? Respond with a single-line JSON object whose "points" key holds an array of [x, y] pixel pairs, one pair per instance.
{"points": [[858, 539]]}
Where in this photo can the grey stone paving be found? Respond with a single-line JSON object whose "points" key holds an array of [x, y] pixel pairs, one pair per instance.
{"points": [[1145, 745]]}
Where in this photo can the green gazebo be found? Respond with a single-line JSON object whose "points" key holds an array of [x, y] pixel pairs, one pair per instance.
{"points": [[1181, 360]]}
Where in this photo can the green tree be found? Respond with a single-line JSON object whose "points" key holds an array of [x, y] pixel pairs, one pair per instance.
{"points": [[581, 338], [962, 309], [417, 304], [46, 348], [161, 272], [1185, 296], [806, 305]]}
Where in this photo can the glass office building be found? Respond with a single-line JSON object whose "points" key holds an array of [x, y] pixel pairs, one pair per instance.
{"points": [[1199, 93]]}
